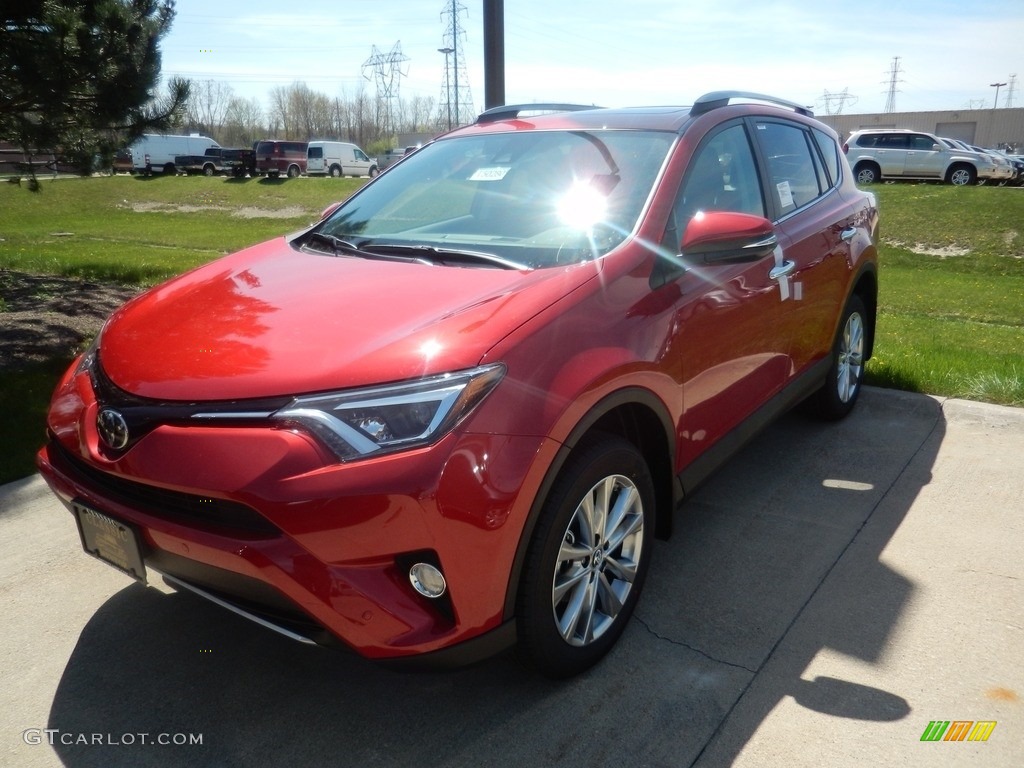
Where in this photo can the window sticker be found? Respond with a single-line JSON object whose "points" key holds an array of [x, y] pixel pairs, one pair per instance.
{"points": [[785, 194], [492, 173]]}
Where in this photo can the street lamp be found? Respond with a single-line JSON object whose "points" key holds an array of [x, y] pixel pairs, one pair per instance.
{"points": [[997, 86], [447, 82]]}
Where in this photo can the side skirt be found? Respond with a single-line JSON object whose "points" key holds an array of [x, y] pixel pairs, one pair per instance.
{"points": [[704, 465]]}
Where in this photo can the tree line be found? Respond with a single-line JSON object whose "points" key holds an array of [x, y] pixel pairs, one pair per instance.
{"points": [[299, 113], [80, 79]]}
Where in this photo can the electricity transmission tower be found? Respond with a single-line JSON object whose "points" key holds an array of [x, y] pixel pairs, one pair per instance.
{"points": [[840, 100], [387, 75], [894, 74], [456, 103], [1010, 90]]}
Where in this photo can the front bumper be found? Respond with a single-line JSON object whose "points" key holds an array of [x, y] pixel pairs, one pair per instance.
{"points": [[259, 519]]}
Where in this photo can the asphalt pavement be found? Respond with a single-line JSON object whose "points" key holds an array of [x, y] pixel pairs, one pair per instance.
{"points": [[831, 596]]}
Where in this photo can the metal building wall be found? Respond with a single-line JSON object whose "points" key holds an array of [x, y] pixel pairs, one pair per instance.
{"points": [[985, 127]]}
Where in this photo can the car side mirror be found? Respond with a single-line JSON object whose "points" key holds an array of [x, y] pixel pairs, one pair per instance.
{"points": [[936, 147], [724, 237]]}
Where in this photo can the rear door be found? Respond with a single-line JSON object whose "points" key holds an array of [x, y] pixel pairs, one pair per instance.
{"points": [[814, 225], [315, 159], [891, 153]]}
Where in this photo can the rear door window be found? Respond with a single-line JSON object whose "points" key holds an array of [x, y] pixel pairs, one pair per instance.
{"points": [[793, 178]]}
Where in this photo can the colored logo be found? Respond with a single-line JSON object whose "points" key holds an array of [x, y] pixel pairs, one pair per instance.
{"points": [[958, 730]]}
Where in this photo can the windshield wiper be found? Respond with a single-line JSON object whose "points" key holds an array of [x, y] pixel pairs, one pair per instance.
{"points": [[434, 253], [339, 246]]}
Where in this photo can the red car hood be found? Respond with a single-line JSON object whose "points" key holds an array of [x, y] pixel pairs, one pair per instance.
{"points": [[271, 320]]}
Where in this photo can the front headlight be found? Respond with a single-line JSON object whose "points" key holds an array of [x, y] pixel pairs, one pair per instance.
{"points": [[369, 422]]}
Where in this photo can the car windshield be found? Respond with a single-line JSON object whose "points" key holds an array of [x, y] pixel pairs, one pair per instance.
{"points": [[537, 198]]}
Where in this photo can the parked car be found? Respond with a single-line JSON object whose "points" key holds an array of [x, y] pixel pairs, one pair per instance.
{"points": [[239, 162], [276, 157], [455, 413], [338, 158], [210, 163], [885, 153], [392, 156], [123, 161], [1010, 173], [155, 153], [1001, 173]]}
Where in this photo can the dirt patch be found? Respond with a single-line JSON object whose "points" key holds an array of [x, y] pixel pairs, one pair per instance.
{"points": [[246, 212], [943, 252], [43, 317]]}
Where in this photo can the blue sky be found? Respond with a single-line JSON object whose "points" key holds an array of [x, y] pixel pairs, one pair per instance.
{"points": [[621, 53]]}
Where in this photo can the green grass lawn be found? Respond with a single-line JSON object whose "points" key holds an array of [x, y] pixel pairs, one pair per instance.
{"points": [[951, 322], [951, 303]]}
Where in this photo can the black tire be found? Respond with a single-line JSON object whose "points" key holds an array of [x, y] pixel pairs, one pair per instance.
{"points": [[373, 171], [575, 601], [293, 171], [962, 175], [170, 170], [841, 389], [208, 170], [336, 172], [868, 173]]}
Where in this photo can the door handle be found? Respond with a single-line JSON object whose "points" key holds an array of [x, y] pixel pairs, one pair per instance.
{"points": [[783, 270]]}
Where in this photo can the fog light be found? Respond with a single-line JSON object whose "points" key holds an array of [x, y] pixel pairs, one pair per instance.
{"points": [[427, 580]]}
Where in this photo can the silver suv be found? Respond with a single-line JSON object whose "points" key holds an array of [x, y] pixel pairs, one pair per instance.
{"points": [[888, 153]]}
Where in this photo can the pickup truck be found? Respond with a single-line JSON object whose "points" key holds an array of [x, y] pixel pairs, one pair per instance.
{"points": [[208, 164], [237, 162]]}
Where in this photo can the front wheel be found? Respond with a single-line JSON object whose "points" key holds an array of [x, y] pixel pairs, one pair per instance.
{"points": [[962, 176], [839, 393], [588, 558]]}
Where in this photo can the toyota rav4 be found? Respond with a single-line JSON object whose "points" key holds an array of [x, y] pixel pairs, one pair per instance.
{"points": [[454, 414]]}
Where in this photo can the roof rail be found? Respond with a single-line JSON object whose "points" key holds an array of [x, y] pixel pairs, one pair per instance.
{"points": [[512, 111], [716, 99]]}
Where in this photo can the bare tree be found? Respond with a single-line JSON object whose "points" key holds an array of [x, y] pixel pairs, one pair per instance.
{"points": [[243, 122], [280, 116], [208, 104]]}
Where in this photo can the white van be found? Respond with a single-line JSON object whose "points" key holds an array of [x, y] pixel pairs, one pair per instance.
{"points": [[155, 152], [338, 158]]}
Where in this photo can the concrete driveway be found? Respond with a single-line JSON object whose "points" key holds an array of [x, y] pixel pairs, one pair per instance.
{"points": [[828, 595]]}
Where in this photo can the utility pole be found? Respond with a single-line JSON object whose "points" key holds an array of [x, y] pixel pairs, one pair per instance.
{"points": [[995, 103], [494, 53]]}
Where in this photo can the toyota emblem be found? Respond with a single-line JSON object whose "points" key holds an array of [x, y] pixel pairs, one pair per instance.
{"points": [[113, 428]]}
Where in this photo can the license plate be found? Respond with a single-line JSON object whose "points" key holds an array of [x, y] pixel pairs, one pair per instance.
{"points": [[110, 540]]}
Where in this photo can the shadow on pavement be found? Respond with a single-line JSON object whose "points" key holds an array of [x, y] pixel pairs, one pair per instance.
{"points": [[751, 550]]}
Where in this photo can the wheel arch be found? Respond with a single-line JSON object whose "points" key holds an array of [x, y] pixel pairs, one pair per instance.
{"points": [[638, 416], [866, 288]]}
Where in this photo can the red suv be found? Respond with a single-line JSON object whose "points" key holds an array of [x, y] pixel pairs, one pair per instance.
{"points": [[455, 413]]}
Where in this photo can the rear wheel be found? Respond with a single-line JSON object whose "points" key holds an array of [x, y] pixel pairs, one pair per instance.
{"points": [[588, 558], [208, 170], [868, 173], [335, 172], [293, 171], [839, 393]]}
